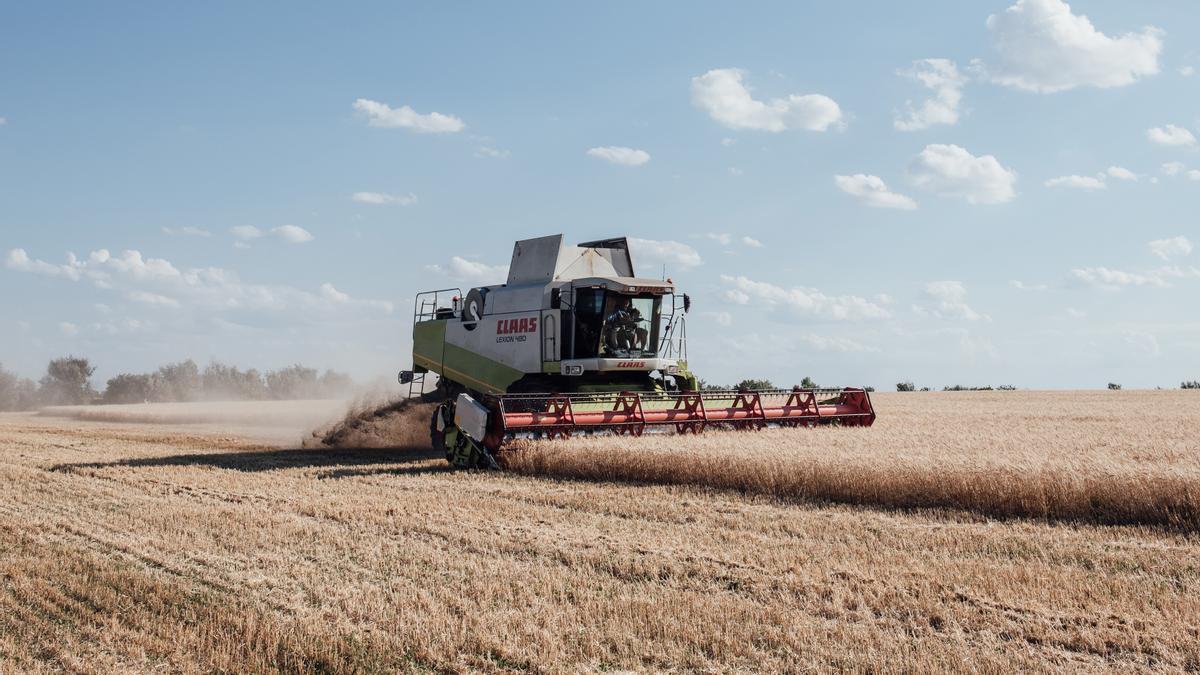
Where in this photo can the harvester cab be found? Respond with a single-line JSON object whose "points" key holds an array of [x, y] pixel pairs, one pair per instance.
{"points": [[575, 342]]}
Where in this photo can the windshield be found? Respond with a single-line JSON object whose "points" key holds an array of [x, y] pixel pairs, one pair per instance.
{"points": [[630, 326]]}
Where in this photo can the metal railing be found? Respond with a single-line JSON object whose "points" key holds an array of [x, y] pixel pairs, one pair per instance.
{"points": [[427, 304]]}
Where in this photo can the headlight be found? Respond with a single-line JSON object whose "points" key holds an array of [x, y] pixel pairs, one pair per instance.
{"points": [[572, 370]]}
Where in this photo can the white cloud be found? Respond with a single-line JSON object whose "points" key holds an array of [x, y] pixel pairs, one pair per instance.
{"points": [[1171, 135], [1089, 183], [381, 198], [950, 170], [1187, 71], [1169, 248], [951, 299], [1076, 313], [148, 298], [872, 191], [289, 233], [186, 231], [752, 242], [735, 171], [1121, 173], [1022, 286], [826, 343], [1193, 174], [3, 121], [156, 282], [246, 232], [728, 142], [802, 301], [1110, 279], [721, 238], [292, 233], [651, 254], [1173, 168], [722, 95], [68, 329], [20, 261], [472, 272], [942, 77], [404, 117], [489, 152], [1043, 47], [620, 155]]}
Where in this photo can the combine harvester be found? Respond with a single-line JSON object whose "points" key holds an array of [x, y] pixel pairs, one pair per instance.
{"points": [[575, 343]]}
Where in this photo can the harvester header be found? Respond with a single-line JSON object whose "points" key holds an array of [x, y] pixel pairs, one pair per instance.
{"points": [[575, 342]]}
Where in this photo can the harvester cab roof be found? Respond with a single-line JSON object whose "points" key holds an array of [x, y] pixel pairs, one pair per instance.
{"points": [[573, 329]]}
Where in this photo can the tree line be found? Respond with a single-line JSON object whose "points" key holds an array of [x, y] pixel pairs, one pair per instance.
{"points": [[68, 381]]}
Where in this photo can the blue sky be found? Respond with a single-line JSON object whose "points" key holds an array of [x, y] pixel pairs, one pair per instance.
{"points": [[947, 192]]}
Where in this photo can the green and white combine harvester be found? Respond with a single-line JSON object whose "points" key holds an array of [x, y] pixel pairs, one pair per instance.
{"points": [[574, 343]]}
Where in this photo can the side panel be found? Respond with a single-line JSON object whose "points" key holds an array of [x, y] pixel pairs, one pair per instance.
{"points": [[510, 339], [428, 340]]}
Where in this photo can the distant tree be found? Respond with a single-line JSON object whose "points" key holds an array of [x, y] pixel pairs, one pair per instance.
{"points": [[926, 389], [177, 382], [868, 388], [220, 381], [129, 388], [754, 384], [334, 384], [1191, 384], [293, 382], [1006, 387], [905, 386], [16, 393], [1114, 386], [807, 383], [67, 382]]}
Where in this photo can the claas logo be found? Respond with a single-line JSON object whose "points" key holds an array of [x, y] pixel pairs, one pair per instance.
{"points": [[631, 364], [515, 326]]}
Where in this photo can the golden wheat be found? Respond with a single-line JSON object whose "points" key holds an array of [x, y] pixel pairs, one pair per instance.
{"points": [[137, 548], [1000, 455]]}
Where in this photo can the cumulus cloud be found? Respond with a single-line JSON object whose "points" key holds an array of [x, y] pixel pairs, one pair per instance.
{"points": [[872, 191], [1022, 286], [471, 272], [801, 301], [156, 282], [384, 116], [722, 95], [247, 232], [1112, 279], [726, 239], [1041, 46], [490, 152], [950, 298], [1171, 136], [381, 198], [290, 233], [1173, 168], [1121, 173], [186, 231], [617, 154], [1090, 183], [940, 76], [652, 254], [1187, 71], [1169, 248], [68, 329], [950, 170]]}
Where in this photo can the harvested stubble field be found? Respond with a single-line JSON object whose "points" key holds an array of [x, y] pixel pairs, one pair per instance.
{"points": [[966, 531]]}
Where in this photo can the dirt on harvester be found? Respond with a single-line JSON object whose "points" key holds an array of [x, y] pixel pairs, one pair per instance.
{"points": [[395, 424]]}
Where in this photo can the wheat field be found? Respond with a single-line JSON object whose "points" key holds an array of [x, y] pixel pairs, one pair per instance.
{"points": [[964, 531]]}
